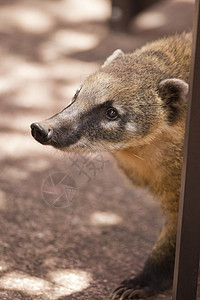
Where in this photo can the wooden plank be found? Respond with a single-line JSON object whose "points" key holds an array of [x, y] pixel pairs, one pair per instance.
{"points": [[188, 237]]}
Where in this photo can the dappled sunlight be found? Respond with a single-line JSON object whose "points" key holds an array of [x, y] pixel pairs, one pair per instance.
{"points": [[36, 85], [31, 71], [19, 173], [35, 95], [2, 203], [19, 146], [69, 41], [150, 20], [7, 84], [51, 76], [3, 266], [27, 18], [76, 11], [60, 283], [15, 173], [41, 87], [20, 281], [42, 164], [69, 70], [105, 218], [40, 83], [20, 121], [72, 280], [31, 19]]}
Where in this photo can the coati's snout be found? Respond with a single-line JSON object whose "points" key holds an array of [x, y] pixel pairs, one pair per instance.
{"points": [[41, 133], [60, 131]]}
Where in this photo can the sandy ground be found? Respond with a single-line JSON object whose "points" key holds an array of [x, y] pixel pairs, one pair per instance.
{"points": [[71, 226]]}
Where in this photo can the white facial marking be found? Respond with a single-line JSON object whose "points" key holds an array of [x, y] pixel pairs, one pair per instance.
{"points": [[131, 127], [120, 109], [110, 125]]}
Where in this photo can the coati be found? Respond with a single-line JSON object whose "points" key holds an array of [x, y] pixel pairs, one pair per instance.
{"points": [[134, 106]]}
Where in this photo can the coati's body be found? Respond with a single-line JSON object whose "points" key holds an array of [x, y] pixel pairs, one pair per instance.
{"points": [[135, 107]]}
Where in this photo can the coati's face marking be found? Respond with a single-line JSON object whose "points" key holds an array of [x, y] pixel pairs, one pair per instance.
{"points": [[113, 109], [95, 119]]}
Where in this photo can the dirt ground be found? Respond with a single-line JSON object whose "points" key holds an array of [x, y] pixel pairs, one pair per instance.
{"points": [[71, 226]]}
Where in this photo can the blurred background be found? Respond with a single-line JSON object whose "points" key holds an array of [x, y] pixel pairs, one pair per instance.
{"points": [[71, 226]]}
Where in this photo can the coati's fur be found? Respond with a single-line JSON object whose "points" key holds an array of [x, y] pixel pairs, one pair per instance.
{"points": [[134, 106]]}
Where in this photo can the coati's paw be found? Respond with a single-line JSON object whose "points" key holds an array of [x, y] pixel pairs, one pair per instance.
{"points": [[139, 288], [129, 289], [154, 278], [123, 293]]}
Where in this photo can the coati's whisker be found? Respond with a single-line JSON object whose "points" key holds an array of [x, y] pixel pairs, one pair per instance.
{"points": [[137, 156]]}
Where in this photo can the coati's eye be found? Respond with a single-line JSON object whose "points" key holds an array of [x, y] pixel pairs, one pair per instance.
{"points": [[111, 113]]}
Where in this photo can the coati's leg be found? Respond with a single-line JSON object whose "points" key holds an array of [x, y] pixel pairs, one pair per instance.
{"points": [[157, 274]]}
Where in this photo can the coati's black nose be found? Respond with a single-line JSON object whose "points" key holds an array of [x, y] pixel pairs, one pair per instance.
{"points": [[41, 133]]}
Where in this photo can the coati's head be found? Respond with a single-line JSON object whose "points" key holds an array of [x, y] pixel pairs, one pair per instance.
{"points": [[121, 105]]}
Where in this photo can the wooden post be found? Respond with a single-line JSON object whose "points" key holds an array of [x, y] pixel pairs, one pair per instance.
{"points": [[188, 237]]}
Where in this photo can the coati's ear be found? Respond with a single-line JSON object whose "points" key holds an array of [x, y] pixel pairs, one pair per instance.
{"points": [[110, 58], [174, 93]]}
